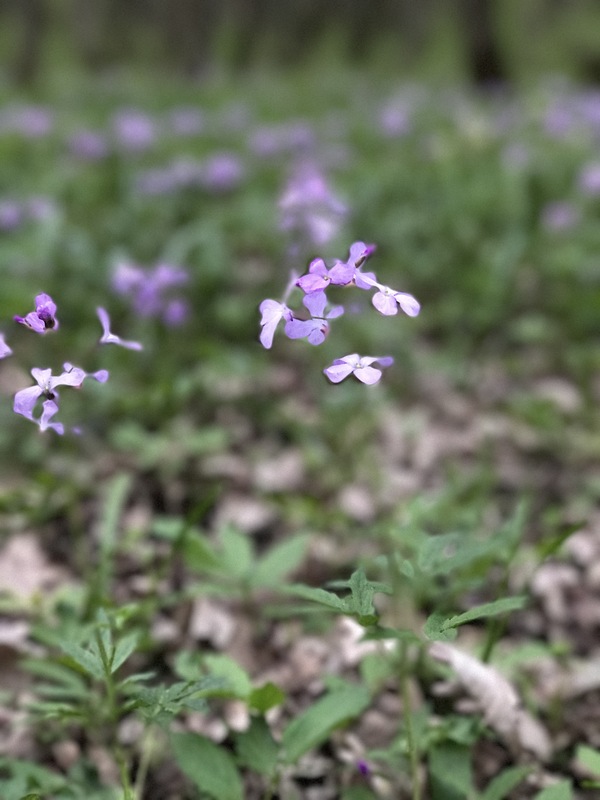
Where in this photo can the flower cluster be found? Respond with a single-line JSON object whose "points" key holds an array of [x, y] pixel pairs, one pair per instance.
{"points": [[315, 327], [43, 320]]}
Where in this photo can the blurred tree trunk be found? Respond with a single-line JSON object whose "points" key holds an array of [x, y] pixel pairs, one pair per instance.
{"points": [[32, 25], [485, 62], [190, 30]]}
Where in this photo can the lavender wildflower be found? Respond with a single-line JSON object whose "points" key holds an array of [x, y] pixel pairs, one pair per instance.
{"points": [[149, 290], [43, 319], [272, 313], [133, 130], [110, 338], [316, 329], [589, 180], [359, 366], [25, 400]]}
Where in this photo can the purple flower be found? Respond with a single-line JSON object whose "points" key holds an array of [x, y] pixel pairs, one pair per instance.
{"points": [[222, 172], [149, 290], [11, 215], [559, 216], [88, 145], [359, 366], [308, 207], [43, 319], [26, 399], [134, 130], [315, 330], [589, 180], [272, 313], [5, 350], [110, 338], [387, 301]]}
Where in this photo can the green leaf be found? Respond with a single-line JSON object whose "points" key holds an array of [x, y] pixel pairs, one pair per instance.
{"points": [[435, 628], [280, 560], [442, 627], [237, 552], [32, 796], [378, 632], [492, 609], [450, 772], [198, 554], [265, 697], [210, 767], [320, 596], [123, 650], [314, 725], [236, 682], [560, 791], [505, 782], [89, 662], [256, 747], [588, 758]]}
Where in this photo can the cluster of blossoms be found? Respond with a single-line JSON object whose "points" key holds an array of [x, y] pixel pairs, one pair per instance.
{"points": [[43, 320], [150, 290], [315, 327]]}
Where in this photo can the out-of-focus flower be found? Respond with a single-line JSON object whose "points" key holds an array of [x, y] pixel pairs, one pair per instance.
{"points": [[222, 172], [88, 145], [33, 122], [134, 131], [43, 319], [308, 208], [359, 366], [589, 179], [11, 215], [291, 137], [5, 350], [110, 338], [150, 290], [25, 400], [559, 216]]}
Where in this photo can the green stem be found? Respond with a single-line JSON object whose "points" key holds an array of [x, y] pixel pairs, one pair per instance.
{"points": [[413, 754]]}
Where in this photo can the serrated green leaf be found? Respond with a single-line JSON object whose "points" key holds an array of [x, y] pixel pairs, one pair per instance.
{"points": [[435, 628], [314, 725], [90, 663], [123, 650], [236, 680], [500, 786], [256, 747], [210, 767], [320, 596], [279, 561], [265, 697], [502, 606]]}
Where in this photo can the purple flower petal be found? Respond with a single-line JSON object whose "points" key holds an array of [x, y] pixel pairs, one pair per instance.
{"points": [[315, 303], [368, 375], [25, 400], [5, 350], [110, 338], [408, 303], [49, 409], [385, 304]]}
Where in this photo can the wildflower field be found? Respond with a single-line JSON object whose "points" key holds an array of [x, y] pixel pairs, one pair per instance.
{"points": [[300, 441]]}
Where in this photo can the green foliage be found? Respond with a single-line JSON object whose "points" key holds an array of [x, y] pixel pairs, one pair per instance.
{"points": [[315, 724], [210, 767]]}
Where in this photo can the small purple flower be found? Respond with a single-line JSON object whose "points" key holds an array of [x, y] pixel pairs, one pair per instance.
{"points": [[5, 350], [88, 145], [11, 215], [134, 130], [316, 329], [272, 313], [25, 400], [110, 338], [43, 319], [359, 366], [387, 301]]}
